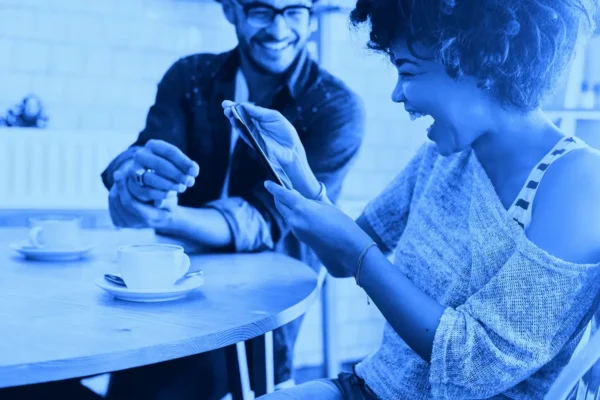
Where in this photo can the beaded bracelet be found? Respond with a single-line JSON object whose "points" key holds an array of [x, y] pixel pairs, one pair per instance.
{"points": [[361, 257]]}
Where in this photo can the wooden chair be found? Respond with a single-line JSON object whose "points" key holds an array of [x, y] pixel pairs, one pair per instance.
{"points": [[248, 381], [580, 379]]}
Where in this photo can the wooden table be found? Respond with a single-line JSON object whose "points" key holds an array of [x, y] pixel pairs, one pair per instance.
{"points": [[56, 324]]}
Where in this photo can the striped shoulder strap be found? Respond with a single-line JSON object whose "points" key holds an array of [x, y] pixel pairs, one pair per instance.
{"points": [[522, 207]]}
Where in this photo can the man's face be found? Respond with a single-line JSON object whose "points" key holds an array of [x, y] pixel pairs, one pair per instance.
{"points": [[270, 40]]}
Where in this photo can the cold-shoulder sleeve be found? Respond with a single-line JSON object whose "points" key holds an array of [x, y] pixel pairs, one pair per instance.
{"points": [[514, 324]]}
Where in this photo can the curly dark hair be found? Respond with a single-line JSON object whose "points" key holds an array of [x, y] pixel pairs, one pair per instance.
{"points": [[516, 49]]}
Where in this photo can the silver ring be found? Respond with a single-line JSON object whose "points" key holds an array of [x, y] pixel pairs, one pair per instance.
{"points": [[139, 176]]}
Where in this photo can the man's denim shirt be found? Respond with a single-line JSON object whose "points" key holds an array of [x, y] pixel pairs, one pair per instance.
{"points": [[187, 112]]}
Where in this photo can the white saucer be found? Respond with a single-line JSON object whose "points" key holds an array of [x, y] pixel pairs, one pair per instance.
{"points": [[43, 254], [178, 291]]}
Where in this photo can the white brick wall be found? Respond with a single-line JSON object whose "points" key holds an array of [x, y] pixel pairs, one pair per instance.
{"points": [[95, 63]]}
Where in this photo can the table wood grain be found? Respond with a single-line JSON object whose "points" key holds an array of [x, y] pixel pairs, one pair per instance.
{"points": [[55, 323]]}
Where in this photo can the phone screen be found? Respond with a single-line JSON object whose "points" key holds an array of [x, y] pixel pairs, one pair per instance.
{"points": [[252, 135]]}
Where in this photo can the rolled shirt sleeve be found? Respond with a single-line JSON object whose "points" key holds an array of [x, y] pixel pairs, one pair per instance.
{"points": [[250, 228]]}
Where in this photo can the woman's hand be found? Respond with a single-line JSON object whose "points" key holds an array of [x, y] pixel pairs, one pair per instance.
{"points": [[279, 134], [283, 142], [334, 237]]}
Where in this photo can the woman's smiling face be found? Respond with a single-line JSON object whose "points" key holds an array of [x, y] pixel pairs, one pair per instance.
{"points": [[458, 107]]}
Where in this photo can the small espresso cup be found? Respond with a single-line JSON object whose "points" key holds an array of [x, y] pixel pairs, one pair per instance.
{"points": [[152, 266], [55, 232]]}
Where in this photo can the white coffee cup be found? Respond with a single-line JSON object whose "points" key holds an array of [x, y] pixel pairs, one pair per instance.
{"points": [[125, 236], [152, 266], [55, 232]]}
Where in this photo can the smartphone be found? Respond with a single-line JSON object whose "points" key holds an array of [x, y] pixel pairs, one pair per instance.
{"points": [[252, 135]]}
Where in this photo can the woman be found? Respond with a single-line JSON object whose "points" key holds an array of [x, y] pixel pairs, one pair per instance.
{"points": [[489, 292]]}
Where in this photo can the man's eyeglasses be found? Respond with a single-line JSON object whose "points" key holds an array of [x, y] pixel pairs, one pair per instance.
{"points": [[260, 15]]}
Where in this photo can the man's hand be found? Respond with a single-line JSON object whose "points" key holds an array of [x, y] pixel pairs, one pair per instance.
{"points": [[165, 170], [127, 212]]}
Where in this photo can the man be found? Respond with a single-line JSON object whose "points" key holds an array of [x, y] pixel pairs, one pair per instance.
{"points": [[189, 177]]}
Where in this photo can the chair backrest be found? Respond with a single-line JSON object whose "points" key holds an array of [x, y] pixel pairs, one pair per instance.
{"points": [[589, 386], [580, 379]]}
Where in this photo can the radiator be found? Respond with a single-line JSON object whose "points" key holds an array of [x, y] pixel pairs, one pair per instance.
{"points": [[47, 169]]}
